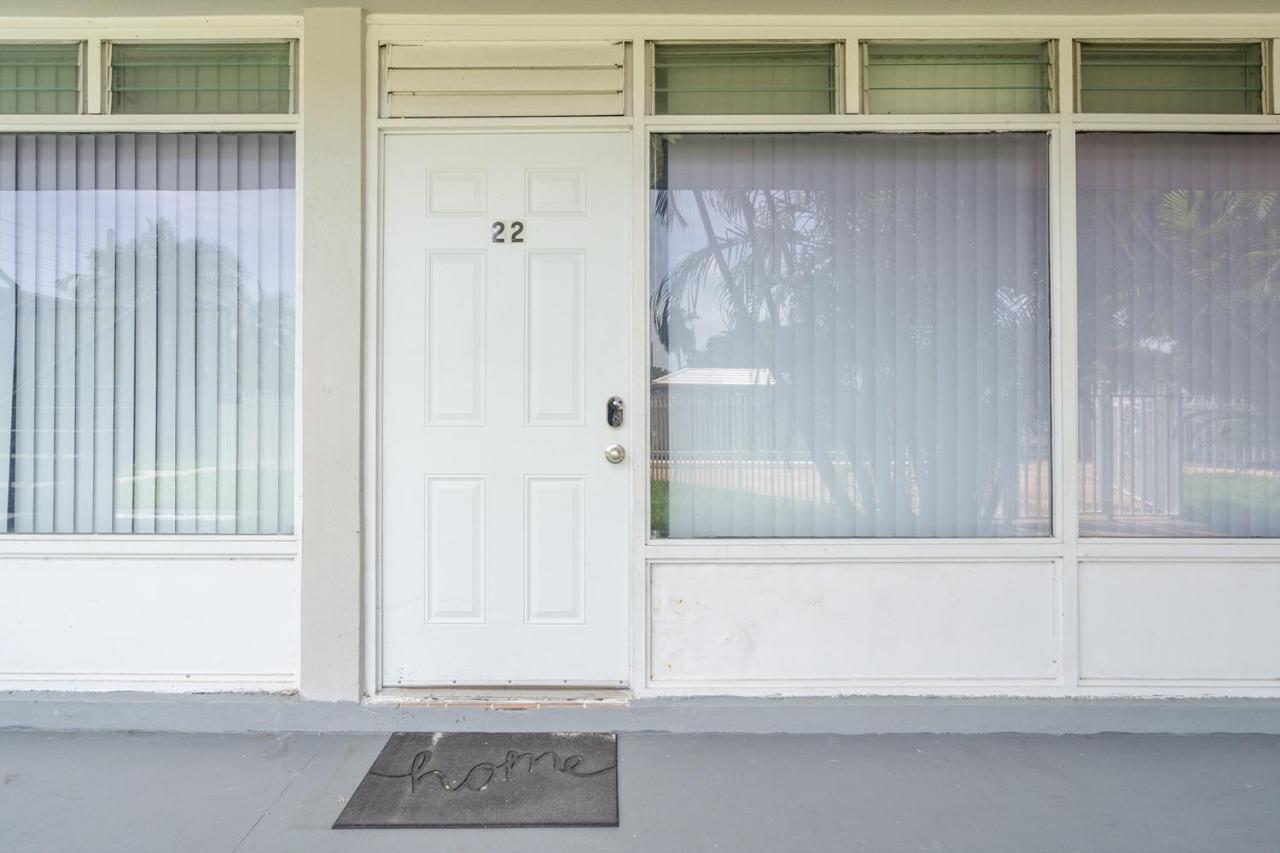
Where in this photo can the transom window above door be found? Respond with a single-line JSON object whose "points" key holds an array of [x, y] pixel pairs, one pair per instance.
{"points": [[439, 79]]}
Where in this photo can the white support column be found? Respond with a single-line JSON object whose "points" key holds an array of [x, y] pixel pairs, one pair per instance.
{"points": [[330, 351]]}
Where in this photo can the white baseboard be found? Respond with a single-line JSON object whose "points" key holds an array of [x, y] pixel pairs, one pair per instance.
{"points": [[151, 682]]}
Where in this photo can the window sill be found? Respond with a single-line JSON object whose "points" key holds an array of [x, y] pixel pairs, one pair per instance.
{"points": [[141, 545]]}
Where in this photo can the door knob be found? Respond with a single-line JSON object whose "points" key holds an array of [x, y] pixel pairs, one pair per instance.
{"points": [[615, 453]]}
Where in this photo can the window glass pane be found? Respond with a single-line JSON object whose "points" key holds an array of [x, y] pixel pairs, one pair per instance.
{"points": [[955, 77], [1179, 334], [237, 77], [850, 335], [1170, 78], [39, 78], [708, 79], [147, 332]]}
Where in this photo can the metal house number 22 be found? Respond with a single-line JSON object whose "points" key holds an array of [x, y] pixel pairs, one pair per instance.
{"points": [[515, 226]]}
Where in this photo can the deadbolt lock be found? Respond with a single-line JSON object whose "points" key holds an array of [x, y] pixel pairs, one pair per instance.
{"points": [[613, 412]]}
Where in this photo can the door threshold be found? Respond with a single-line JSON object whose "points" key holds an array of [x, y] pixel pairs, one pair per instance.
{"points": [[506, 697]]}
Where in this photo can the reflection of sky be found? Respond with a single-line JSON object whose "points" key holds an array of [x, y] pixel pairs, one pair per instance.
{"points": [[704, 314], [57, 233], [887, 246]]}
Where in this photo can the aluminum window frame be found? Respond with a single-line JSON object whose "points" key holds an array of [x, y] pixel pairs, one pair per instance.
{"points": [[1052, 95], [82, 65], [1269, 50], [106, 59], [839, 94], [93, 34]]}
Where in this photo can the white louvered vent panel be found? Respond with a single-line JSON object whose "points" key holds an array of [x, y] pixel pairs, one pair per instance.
{"points": [[504, 79]]}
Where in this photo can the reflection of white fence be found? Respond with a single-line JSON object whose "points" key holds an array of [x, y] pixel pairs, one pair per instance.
{"points": [[717, 438], [1136, 449], [733, 438], [1132, 445]]}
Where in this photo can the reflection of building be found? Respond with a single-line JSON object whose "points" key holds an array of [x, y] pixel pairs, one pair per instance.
{"points": [[711, 409], [716, 428], [724, 429]]}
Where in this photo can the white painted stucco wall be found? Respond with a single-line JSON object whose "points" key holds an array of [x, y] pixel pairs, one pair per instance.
{"points": [[331, 264], [196, 615]]}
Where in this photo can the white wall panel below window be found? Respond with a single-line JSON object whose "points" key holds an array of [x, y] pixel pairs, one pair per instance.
{"points": [[149, 623], [1180, 623], [837, 625]]}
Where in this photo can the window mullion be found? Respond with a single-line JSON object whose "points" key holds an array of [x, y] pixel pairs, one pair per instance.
{"points": [[852, 58], [96, 57], [1275, 76]]}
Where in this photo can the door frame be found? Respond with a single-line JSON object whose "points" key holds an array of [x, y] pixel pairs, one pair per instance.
{"points": [[372, 632], [372, 636]]}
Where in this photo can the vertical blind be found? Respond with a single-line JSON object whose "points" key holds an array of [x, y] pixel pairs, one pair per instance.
{"points": [[1179, 334], [956, 77], [850, 335], [39, 78], [744, 78], [147, 332], [196, 77]]}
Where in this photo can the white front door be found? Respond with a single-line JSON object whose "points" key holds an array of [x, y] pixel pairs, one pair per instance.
{"points": [[506, 283]]}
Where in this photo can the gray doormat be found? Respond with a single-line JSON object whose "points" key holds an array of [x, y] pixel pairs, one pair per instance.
{"points": [[482, 779]]}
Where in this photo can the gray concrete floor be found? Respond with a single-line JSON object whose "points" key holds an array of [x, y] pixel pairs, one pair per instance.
{"points": [[193, 793]]}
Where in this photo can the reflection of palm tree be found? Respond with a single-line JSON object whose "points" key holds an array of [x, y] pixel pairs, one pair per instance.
{"points": [[1225, 245], [231, 288], [1179, 299], [766, 290], [774, 259], [1235, 237], [1194, 294]]}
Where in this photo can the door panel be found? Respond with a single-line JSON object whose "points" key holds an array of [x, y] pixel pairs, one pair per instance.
{"points": [[505, 530]]}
